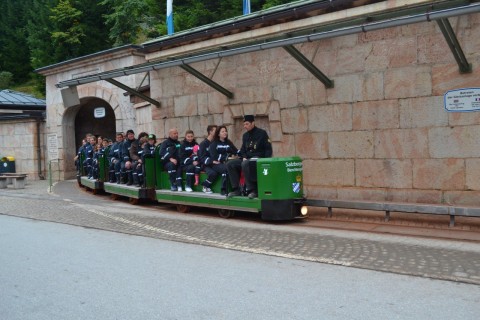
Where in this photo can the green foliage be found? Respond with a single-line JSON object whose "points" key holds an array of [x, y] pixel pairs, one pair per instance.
{"points": [[5, 78], [37, 33]]}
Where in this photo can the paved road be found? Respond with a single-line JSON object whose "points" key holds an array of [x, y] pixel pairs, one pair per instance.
{"points": [[437, 259], [51, 271]]}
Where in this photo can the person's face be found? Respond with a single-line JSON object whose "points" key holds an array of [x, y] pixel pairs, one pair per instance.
{"points": [[92, 140], [100, 140], [223, 134], [104, 143], [248, 125], [130, 136], [189, 137], [151, 142], [173, 134], [119, 138], [212, 132]]}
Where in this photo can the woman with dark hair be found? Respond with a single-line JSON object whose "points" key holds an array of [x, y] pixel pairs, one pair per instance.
{"points": [[220, 150]]}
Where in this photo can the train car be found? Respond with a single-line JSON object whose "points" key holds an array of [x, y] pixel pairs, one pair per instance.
{"points": [[93, 185], [280, 192], [280, 189]]}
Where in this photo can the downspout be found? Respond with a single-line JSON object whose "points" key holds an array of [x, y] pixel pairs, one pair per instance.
{"points": [[39, 152]]}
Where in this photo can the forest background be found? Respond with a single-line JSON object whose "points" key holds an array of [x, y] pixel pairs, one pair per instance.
{"points": [[38, 33]]}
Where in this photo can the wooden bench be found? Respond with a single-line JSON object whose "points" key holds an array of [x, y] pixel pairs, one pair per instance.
{"points": [[18, 181], [441, 209]]}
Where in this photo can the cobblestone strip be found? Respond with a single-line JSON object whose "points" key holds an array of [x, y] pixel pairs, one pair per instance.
{"points": [[438, 263]]}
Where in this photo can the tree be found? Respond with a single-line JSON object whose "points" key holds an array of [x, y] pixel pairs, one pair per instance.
{"points": [[68, 32], [15, 52], [126, 19]]}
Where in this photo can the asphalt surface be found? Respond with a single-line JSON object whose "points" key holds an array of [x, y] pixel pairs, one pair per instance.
{"points": [[451, 260]]}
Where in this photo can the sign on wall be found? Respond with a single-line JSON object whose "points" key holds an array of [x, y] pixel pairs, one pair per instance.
{"points": [[99, 112], [52, 146], [462, 100]]}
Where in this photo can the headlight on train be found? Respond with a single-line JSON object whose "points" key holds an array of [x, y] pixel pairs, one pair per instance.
{"points": [[304, 210]]}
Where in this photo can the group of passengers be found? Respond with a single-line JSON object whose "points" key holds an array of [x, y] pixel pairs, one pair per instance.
{"points": [[211, 157], [216, 155]]}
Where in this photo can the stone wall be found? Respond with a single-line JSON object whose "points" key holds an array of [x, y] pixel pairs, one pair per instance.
{"points": [[18, 138], [381, 133]]}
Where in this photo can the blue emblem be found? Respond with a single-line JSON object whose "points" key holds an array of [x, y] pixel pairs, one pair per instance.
{"points": [[296, 187]]}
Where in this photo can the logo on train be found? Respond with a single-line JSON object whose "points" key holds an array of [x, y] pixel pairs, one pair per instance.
{"points": [[265, 171], [296, 187]]}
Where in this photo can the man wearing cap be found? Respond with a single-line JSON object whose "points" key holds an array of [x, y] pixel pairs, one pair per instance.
{"points": [[255, 144]]}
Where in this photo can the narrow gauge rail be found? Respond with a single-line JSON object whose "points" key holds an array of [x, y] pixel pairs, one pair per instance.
{"points": [[280, 189]]}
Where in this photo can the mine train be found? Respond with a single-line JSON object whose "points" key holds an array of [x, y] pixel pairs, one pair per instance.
{"points": [[280, 189]]}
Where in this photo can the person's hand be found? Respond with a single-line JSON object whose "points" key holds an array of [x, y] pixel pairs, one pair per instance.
{"points": [[174, 161]]}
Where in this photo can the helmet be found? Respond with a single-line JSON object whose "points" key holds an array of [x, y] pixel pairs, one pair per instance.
{"points": [[152, 136]]}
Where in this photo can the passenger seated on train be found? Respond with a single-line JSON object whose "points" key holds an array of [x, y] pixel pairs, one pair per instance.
{"points": [[188, 160], [77, 158], [137, 166], [88, 152], [206, 159], [114, 159], [170, 155], [221, 150], [255, 144]]}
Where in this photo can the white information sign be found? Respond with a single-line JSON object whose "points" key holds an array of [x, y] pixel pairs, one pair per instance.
{"points": [[99, 112], [462, 100], [52, 146]]}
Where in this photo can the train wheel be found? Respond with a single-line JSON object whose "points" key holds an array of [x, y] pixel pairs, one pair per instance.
{"points": [[183, 208], [114, 196], [133, 200], [225, 213]]}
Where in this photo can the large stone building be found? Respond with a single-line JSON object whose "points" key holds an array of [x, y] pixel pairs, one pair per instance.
{"points": [[355, 88]]}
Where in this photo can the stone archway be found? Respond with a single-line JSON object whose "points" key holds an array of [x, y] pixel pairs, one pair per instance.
{"points": [[79, 120], [87, 119]]}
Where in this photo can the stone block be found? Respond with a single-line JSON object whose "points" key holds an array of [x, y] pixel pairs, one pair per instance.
{"points": [[185, 105], [414, 195], [352, 60], [276, 133], [433, 49], [472, 174], [422, 112], [375, 115], [216, 102], [311, 145], [446, 77], [274, 111], [330, 118], [454, 142], [439, 174], [286, 95], [467, 198], [408, 82], [361, 194], [386, 173], [249, 108], [463, 118], [331, 173], [294, 120], [283, 148], [311, 92], [348, 88], [401, 143], [202, 103], [315, 192], [373, 86], [350, 145]]}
